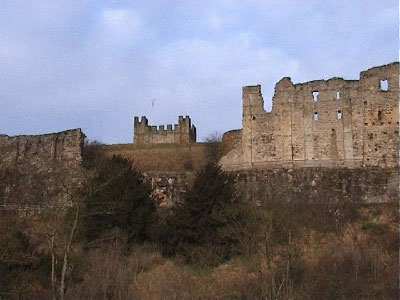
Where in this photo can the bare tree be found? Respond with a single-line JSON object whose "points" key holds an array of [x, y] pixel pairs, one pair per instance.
{"points": [[59, 287], [212, 150]]}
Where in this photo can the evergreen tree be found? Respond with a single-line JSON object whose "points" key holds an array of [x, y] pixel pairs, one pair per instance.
{"points": [[201, 224], [117, 198]]}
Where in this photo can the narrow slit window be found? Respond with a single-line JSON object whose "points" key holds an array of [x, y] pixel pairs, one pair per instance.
{"points": [[315, 95], [315, 116], [384, 85], [339, 114], [337, 95], [379, 115]]}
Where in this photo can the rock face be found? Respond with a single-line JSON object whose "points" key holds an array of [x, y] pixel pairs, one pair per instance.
{"points": [[34, 169], [334, 123], [168, 188]]}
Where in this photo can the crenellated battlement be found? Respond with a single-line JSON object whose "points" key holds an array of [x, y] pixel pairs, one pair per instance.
{"points": [[183, 132]]}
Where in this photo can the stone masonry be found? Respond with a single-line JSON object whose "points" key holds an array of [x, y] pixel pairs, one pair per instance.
{"points": [[322, 123], [36, 169], [336, 138], [183, 132], [39, 150]]}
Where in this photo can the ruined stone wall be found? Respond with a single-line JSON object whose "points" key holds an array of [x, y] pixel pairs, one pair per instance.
{"points": [[229, 141], [183, 132], [323, 123], [381, 115], [364, 185], [35, 168]]}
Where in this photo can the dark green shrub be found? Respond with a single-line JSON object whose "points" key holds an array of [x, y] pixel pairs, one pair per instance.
{"points": [[117, 199], [206, 225], [374, 228]]}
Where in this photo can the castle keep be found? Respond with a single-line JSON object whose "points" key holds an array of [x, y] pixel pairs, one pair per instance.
{"points": [[183, 132], [333, 123]]}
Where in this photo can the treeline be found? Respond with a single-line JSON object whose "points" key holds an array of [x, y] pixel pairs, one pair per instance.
{"points": [[203, 228], [113, 242]]}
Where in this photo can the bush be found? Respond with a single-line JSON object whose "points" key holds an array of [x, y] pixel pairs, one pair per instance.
{"points": [[116, 198], [378, 229], [204, 228]]}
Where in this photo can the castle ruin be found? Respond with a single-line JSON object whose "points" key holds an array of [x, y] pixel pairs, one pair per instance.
{"points": [[323, 123], [38, 169], [183, 132], [331, 137]]}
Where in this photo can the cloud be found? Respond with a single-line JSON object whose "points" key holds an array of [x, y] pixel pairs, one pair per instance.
{"points": [[96, 64], [121, 25]]}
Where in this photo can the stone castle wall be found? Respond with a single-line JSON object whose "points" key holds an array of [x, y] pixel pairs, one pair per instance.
{"points": [[183, 132], [359, 185], [332, 123], [335, 138], [35, 168]]}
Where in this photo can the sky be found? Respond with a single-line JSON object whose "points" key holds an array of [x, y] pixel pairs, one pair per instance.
{"points": [[97, 64]]}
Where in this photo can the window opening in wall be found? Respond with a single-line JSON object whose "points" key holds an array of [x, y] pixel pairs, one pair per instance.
{"points": [[379, 115], [315, 95], [337, 95], [384, 85], [315, 116], [339, 114]]}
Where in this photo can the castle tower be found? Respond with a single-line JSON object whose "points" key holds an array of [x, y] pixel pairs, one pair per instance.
{"points": [[183, 132], [379, 89], [253, 107]]}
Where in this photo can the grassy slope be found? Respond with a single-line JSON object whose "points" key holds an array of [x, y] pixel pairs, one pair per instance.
{"points": [[162, 157]]}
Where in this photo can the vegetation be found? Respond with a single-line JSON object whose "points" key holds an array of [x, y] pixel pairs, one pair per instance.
{"points": [[113, 243], [204, 228], [116, 198]]}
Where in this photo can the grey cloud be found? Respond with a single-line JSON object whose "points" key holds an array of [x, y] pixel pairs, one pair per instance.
{"points": [[96, 64]]}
